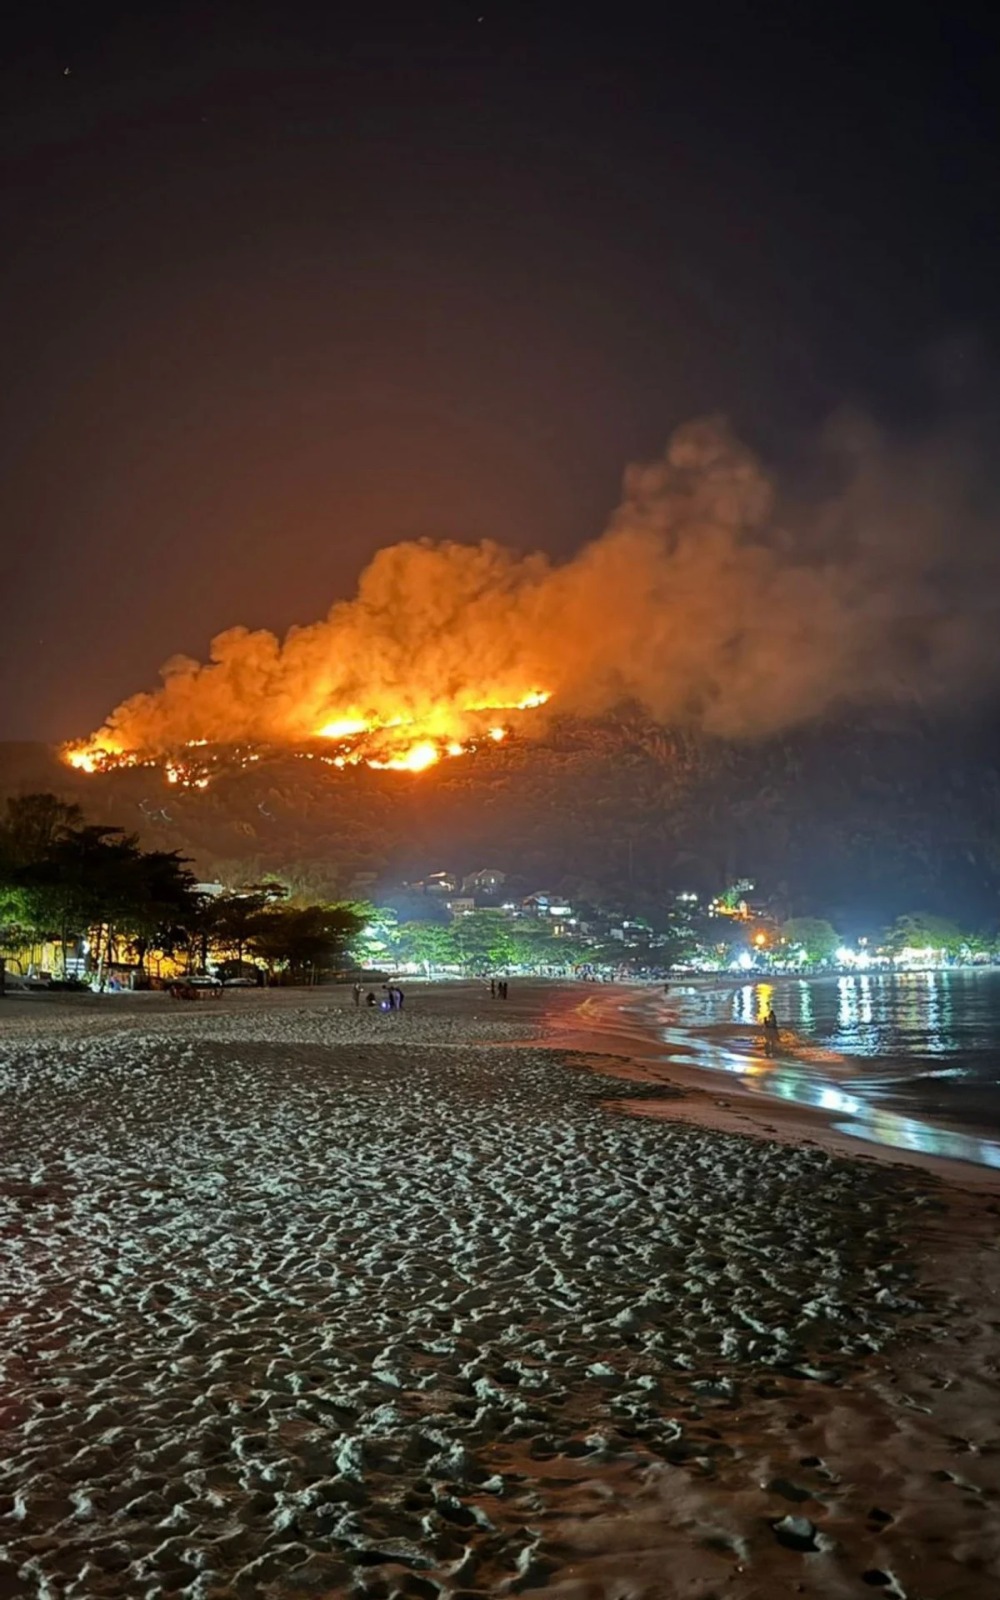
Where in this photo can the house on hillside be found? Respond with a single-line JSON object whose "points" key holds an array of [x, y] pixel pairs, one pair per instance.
{"points": [[461, 905], [488, 880], [544, 904], [435, 883]]}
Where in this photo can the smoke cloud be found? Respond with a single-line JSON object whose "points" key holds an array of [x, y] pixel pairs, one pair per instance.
{"points": [[705, 599]]}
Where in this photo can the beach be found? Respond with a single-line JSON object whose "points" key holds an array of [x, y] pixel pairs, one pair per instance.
{"points": [[468, 1300]]}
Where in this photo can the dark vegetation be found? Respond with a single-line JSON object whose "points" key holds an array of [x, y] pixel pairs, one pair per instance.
{"points": [[63, 879], [862, 819]]}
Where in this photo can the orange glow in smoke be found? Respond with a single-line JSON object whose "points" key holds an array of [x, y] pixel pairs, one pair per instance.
{"points": [[413, 760], [343, 728], [388, 743]]}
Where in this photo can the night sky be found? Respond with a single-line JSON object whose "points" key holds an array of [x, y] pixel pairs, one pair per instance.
{"points": [[284, 284]]}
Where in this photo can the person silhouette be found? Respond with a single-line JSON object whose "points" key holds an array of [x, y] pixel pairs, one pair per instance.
{"points": [[770, 1031]]}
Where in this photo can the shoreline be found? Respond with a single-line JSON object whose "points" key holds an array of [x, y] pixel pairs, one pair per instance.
{"points": [[736, 1095], [921, 1413], [695, 1071]]}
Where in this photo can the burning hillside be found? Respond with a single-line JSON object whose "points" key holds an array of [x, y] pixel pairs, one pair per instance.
{"points": [[874, 814], [695, 603], [399, 744]]}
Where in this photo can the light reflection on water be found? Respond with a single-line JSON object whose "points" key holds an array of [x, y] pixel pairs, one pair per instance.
{"points": [[909, 1133], [885, 1054]]}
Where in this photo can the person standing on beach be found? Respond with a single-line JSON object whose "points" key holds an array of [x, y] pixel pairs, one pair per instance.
{"points": [[357, 994], [493, 988]]}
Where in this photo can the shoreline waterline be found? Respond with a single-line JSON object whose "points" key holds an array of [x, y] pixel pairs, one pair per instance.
{"points": [[798, 1090], [728, 1080]]}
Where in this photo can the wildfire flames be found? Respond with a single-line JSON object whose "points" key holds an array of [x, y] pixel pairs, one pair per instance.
{"points": [[694, 603], [392, 744]]}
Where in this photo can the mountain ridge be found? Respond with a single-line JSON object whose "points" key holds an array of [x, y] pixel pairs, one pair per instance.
{"points": [[865, 817]]}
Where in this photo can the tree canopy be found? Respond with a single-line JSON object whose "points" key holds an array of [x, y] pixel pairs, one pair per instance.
{"points": [[63, 879], [814, 936], [920, 930]]}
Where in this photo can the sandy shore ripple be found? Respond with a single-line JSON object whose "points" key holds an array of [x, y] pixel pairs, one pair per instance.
{"points": [[302, 1302]]}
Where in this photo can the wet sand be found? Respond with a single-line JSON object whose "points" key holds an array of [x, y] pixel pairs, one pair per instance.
{"points": [[728, 1081], [298, 1301]]}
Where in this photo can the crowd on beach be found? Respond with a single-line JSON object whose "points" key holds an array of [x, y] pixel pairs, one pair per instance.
{"points": [[393, 998]]}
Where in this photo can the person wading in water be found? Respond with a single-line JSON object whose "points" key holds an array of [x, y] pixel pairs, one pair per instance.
{"points": [[770, 1032]]}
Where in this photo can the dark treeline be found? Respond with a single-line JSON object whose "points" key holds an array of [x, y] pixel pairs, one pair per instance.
{"points": [[104, 901]]}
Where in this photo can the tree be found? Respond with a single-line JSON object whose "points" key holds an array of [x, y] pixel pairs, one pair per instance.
{"points": [[678, 942], [430, 943], [735, 894], [231, 920], [533, 944], [303, 939], [32, 824], [921, 930], [30, 907], [817, 939], [378, 935], [160, 907], [310, 882], [62, 878], [483, 940], [98, 880], [74, 885]]}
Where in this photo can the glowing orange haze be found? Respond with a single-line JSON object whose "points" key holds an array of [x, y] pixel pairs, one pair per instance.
{"points": [[397, 744], [692, 602], [443, 647], [404, 742]]}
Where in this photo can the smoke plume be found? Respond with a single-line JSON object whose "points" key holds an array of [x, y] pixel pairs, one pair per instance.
{"points": [[703, 599]]}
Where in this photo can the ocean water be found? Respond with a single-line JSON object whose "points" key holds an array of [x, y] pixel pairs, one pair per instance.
{"points": [[909, 1059]]}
